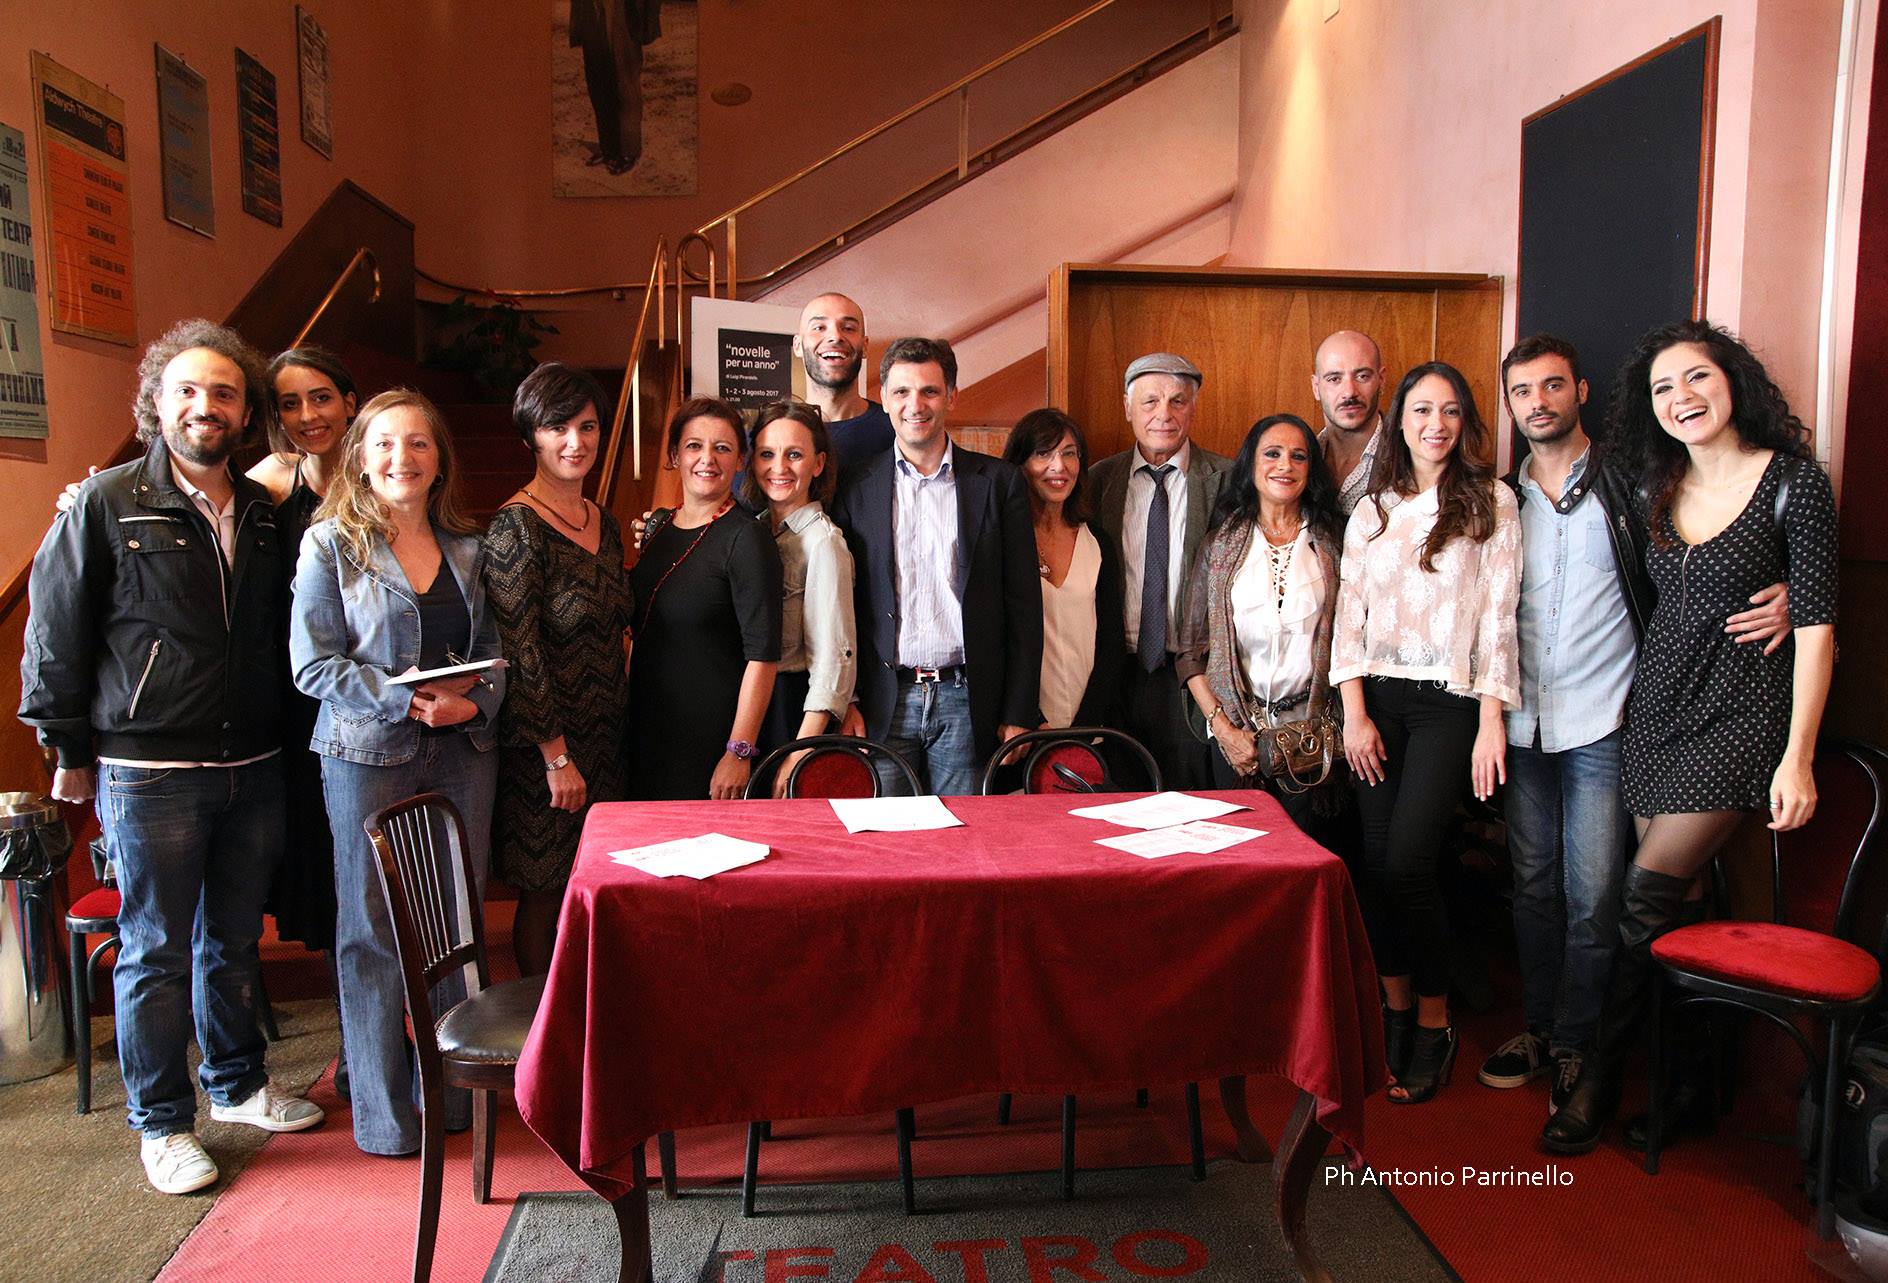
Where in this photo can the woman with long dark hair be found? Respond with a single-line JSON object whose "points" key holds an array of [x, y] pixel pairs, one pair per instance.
{"points": [[1256, 643], [1427, 659], [1715, 728], [1083, 643], [554, 570]]}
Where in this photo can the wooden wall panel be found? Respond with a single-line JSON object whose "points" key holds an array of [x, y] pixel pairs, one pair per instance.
{"points": [[1253, 334]]}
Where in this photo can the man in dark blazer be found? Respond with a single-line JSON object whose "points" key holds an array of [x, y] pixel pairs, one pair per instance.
{"points": [[948, 596], [1155, 500]]}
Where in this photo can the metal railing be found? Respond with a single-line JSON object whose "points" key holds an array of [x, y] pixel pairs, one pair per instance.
{"points": [[362, 256], [629, 400]]}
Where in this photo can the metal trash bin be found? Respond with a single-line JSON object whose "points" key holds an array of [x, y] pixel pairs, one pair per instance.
{"points": [[34, 847]]}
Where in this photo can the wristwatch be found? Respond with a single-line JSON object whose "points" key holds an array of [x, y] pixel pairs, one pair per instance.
{"points": [[1217, 710], [741, 749], [558, 763]]}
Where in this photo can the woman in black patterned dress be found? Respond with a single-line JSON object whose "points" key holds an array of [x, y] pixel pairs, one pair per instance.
{"points": [[1716, 728], [554, 572]]}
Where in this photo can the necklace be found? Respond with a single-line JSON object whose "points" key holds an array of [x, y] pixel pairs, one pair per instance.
{"points": [[560, 516]]}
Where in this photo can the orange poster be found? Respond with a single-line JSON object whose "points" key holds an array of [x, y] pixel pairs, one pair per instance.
{"points": [[88, 205]]}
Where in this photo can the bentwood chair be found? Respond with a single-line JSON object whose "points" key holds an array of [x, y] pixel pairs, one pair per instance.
{"points": [[834, 766], [426, 872], [1073, 760], [1785, 972]]}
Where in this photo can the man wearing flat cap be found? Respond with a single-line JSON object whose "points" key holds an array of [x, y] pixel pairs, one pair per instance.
{"points": [[1154, 501]]}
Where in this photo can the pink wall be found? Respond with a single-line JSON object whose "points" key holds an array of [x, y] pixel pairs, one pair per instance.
{"points": [[179, 273], [1389, 137]]}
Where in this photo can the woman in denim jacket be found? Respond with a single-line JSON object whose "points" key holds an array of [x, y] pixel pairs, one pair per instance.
{"points": [[389, 582]]}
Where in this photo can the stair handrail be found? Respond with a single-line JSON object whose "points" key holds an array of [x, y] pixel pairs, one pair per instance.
{"points": [[363, 255], [959, 87], [629, 400]]}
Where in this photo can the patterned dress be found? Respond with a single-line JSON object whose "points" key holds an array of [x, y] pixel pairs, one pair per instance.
{"points": [[1709, 717], [561, 613]]}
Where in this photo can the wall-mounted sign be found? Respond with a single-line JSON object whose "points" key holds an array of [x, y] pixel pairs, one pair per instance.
{"points": [[755, 367], [311, 46], [22, 373], [743, 352], [260, 140], [183, 136], [88, 205]]}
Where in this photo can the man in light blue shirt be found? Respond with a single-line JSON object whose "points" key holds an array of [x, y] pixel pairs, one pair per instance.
{"points": [[1585, 598]]}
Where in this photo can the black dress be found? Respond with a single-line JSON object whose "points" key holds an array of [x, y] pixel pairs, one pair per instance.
{"points": [[707, 604], [561, 613], [1709, 718], [301, 895]]}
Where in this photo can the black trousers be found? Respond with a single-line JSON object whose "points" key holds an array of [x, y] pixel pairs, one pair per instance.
{"points": [[1152, 713], [612, 72], [1428, 738]]}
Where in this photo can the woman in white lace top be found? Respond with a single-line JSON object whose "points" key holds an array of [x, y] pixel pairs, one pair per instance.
{"points": [[1426, 658]]}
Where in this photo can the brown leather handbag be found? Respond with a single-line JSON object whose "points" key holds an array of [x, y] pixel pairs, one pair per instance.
{"points": [[1297, 755]]}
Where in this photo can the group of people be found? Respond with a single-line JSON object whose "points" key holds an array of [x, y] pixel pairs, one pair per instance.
{"points": [[210, 653]]}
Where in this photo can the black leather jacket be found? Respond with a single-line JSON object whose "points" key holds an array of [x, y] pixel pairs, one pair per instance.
{"points": [[1625, 505], [142, 643]]}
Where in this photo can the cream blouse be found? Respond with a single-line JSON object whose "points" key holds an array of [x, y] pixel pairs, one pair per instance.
{"points": [[1455, 626]]}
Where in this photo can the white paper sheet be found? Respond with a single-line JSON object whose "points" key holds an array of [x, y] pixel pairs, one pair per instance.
{"points": [[696, 857], [450, 670], [893, 814], [1200, 836], [1159, 811]]}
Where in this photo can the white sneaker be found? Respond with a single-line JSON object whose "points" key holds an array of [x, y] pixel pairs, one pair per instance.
{"points": [[177, 1163], [271, 1110]]}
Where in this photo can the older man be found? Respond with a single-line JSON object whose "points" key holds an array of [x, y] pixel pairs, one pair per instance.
{"points": [[1154, 500], [1347, 378], [155, 651]]}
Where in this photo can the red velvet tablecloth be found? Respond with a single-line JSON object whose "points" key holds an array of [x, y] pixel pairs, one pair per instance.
{"points": [[849, 974]]}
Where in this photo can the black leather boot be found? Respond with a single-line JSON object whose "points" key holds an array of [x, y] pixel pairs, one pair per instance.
{"points": [[1690, 1086], [1651, 908]]}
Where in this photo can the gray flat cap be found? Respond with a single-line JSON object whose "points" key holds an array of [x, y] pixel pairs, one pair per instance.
{"points": [[1162, 363]]}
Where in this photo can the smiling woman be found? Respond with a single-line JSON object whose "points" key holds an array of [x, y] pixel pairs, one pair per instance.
{"points": [[707, 623]]}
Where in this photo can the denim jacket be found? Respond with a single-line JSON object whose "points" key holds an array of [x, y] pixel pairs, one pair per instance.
{"points": [[354, 626]]}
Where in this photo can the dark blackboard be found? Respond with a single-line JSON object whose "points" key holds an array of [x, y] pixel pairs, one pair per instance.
{"points": [[1615, 207]]}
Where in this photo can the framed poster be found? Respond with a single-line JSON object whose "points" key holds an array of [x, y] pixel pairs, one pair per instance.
{"points": [[183, 136], [88, 205], [311, 60], [259, 140], [22, 372]]}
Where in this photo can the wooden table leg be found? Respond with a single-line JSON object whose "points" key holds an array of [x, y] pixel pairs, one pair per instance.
{"points": [[1300, 1154], [632, 1223], [1252, 1146]]}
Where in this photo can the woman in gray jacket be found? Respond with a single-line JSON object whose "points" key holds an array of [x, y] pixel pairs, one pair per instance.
{"points": [[389, 582]]}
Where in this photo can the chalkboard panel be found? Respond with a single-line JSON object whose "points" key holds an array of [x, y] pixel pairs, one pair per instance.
{"points": [[1615, 207]]}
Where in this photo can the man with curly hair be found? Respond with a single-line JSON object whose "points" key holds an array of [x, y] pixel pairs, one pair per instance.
{"points": [[153, 653]]}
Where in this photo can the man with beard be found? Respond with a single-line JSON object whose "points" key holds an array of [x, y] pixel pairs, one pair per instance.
{"points": [[1347, 378], [832, 345], [154, 651], [1585, 598]]}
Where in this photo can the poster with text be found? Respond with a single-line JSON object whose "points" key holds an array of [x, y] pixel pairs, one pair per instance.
{"points": [[183, 136], [22, 373], [88, 205], [311, 45], [755, 367], [260, 140]]}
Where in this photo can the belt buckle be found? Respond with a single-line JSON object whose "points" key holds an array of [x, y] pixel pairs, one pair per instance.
{"points": [[922, 675]]}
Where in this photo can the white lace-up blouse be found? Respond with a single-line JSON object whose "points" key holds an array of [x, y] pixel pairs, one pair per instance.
{"points": [[1455, 626]]}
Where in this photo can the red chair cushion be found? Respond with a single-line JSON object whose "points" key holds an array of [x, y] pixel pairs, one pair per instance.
{"points": [[833, 773], [1077, 758], [100, 904], [1764, 955]]}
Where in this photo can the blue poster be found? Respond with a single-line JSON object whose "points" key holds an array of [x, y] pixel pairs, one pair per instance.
{"points": [[183, 132]]}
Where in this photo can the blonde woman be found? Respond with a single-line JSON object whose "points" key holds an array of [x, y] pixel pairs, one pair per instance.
{"points": [[389, 580]]}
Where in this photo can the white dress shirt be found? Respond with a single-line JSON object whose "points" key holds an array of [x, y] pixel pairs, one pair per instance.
{"points": [[924, 540], [1274, 634], [1134, 539]]}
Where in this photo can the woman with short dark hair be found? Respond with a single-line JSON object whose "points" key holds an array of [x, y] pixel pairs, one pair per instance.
{"points": [[707, 624], [554, 571]]}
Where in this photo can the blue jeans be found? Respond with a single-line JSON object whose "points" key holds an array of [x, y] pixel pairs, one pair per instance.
{"points": [[195, 848], [930, 727], [383, 1076], [1568, 837]]}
